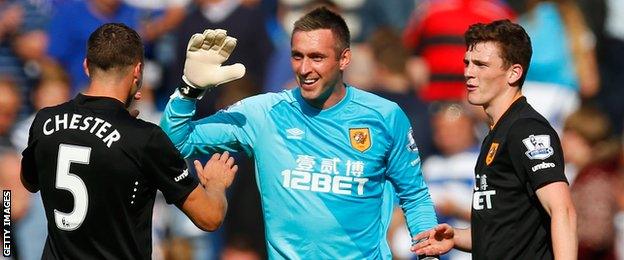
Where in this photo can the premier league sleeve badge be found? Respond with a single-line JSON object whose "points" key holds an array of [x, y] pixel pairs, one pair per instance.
{"points": [[538, 147]]}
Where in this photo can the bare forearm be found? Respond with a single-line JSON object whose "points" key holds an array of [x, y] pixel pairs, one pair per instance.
{"points": [[563, 229], [206, 207], [556, 199], [217, 200]]}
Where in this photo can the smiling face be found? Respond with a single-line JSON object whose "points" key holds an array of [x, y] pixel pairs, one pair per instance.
{"points": [[487, 77], [318, 66]]}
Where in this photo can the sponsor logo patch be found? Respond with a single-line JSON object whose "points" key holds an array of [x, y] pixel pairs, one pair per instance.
{"points": [[538, 147], [491, 153], [360, 138]]}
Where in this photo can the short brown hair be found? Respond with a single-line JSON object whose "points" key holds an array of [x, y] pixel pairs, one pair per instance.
{"points": [[323, 18], [513, 41], [113, 46]]}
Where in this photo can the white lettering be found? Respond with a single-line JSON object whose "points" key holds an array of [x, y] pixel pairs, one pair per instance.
{"points": [[74, 121], [86, 123], [45, 126], [6, 223], [60, 121], [97, 123], [341, 186], [100, 132], [181, 176], [111, 138], [360, 187], [543, 165], [321, 182], [477, 199]]}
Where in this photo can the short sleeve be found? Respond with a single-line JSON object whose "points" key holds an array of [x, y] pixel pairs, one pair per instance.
{"points": [[163, 165], [536, 152], [28, 164]]}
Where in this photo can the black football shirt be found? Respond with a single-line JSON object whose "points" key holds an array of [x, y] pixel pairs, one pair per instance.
{"points": [[521, 154], [98, 169]]}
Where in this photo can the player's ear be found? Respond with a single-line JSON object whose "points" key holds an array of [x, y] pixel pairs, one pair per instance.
{"points": [[138, 70], [514, 75], [345, 58], [85, 67]]}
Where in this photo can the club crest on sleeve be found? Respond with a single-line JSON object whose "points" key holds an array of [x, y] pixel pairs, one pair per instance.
{"points": [[411, 143], [360, 138], [491, 153], [538, 147]]}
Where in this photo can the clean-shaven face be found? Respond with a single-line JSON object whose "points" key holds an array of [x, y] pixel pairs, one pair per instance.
{"points": [[485, 75], [317, 64]]}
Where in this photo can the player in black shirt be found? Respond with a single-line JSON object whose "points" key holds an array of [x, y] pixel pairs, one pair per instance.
{"points": [[98, 167], [521, 202]]}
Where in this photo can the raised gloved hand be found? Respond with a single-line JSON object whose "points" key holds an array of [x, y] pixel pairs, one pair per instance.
{"points": [[204, 55]]}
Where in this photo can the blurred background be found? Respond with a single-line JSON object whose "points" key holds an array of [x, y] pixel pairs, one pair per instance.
{"points": [[408, 51]]}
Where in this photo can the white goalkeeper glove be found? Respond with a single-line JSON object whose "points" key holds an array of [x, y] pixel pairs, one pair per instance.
{"points": [[204, 55]]}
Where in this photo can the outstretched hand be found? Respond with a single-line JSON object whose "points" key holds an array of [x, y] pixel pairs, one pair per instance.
{"points": [[204, 55], [219, 171], [436, 241]]}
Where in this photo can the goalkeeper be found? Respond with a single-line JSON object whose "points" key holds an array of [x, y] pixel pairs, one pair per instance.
{"points": [[329, 157]]}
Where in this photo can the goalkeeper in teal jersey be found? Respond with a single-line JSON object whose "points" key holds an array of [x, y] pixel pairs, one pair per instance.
{"points": [[325, 152]]}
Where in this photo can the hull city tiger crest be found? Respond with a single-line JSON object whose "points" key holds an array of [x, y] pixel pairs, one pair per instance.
{"points": [[360, 138], [491, 153]]}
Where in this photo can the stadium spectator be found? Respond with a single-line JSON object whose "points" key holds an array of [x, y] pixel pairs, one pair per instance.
{"points": [[255, 46], [391, 82], [589, 147], [159, 17], [71, 24], [564, 47], [434, 37], [10, 100], [450, 175], [610, 50], [22, 44], [52, 89]]}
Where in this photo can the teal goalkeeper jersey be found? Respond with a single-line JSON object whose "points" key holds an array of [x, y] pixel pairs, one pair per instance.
{"points": [[322, 174]]}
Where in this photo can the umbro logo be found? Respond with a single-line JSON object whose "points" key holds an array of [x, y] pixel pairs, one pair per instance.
{"points": [[181, 176], [294, 133]]}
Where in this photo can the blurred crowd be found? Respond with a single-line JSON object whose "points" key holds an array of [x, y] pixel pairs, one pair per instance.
{"points": [[408, 51]]}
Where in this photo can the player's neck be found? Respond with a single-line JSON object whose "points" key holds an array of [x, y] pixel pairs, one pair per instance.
{"points": [[499, 105], [105, 89], [332, 98]]}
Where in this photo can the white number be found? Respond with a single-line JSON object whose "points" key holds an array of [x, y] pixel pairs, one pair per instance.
{"points": [[299, 180], [65, 180]]}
